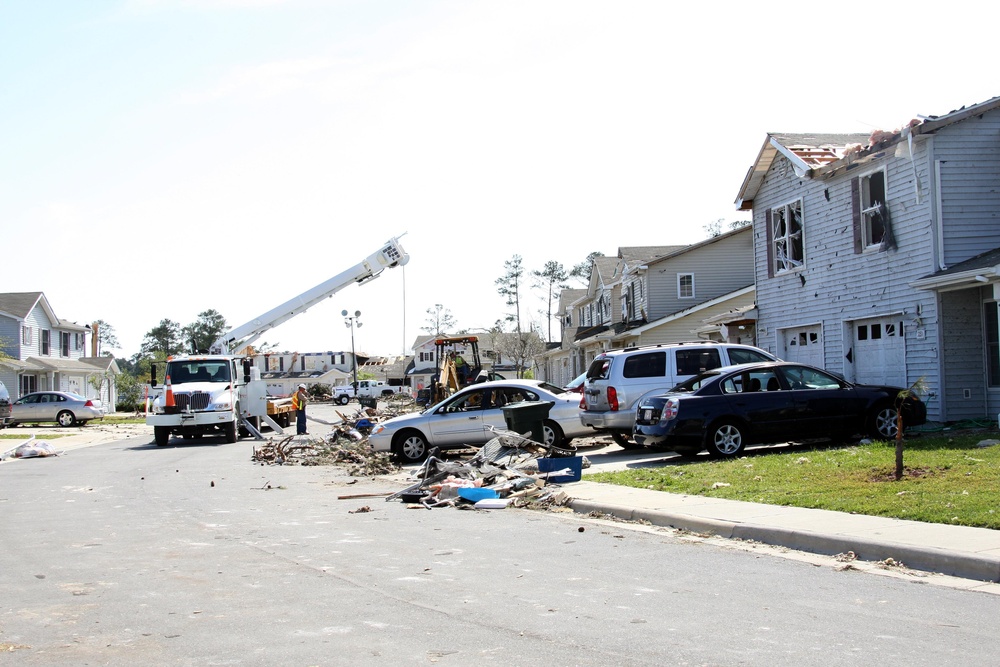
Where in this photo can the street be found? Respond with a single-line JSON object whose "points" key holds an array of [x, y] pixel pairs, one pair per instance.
{"points": [[124, 553]]}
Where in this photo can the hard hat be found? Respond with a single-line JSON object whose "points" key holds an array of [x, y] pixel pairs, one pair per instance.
{"points": [[302, 386]]}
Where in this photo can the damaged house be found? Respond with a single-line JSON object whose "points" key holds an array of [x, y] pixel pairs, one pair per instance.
{"points": [[878, 257]]}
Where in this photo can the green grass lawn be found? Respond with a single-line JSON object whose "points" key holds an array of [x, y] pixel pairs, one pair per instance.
{"points": [[947, 479]]}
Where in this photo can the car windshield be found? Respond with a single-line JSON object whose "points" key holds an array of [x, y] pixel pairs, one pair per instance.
{"points": [[695, 383]]}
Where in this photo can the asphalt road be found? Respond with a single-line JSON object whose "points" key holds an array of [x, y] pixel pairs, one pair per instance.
{"points": [[123, 553]]}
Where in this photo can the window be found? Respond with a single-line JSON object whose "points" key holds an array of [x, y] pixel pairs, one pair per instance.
{"points": [[873, 208], [685, 285], [63, 344], [45, 341], [648, 365], [741, 356], [26, 335], [991, 319], [692, 362], [786, 237]]}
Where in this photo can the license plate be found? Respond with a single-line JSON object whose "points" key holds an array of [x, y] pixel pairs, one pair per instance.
{"points": [[647, 414]]}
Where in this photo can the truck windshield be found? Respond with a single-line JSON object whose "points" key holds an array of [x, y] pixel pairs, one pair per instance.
{"points": [[198, 371]]}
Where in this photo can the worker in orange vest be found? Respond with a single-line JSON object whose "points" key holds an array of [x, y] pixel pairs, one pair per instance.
{"points": [[299, 400]]}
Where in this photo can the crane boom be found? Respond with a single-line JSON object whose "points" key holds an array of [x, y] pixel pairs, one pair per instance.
{"points": [[391, 254]]}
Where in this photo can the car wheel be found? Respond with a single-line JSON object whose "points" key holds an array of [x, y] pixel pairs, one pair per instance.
{"points": [[725, 439], [882, 423], [552, 435], [622, 440], [344, 400], [162, 435], [65, 418], [410, 447]]}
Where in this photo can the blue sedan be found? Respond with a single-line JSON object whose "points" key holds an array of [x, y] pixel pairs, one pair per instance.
{"points": [[725, 409]]}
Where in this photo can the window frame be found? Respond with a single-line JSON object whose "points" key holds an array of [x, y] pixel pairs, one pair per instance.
{"points": [[680, 286], [782, 262], [871, 211]]}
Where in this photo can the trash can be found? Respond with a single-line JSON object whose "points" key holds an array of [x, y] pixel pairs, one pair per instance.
{"points": [[528, 416]]}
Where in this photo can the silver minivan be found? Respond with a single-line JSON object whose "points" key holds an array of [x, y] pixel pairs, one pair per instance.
{"points": [[618, 379]]}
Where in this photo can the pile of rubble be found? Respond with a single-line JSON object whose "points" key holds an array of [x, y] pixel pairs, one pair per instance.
{"points": [[507, 471], [346, 444]]}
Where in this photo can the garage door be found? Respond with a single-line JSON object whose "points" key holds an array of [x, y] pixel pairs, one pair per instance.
{"points": [[879, 352], [804, 346]]}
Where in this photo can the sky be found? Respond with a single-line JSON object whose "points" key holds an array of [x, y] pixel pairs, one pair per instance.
{"points": [[161, 158]]}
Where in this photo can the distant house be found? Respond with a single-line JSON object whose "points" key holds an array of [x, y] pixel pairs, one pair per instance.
{"points": [[48, 353], [878, 257]]}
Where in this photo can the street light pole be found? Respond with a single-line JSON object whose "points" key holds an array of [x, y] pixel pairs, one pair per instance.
{"points": [[352, 321]]}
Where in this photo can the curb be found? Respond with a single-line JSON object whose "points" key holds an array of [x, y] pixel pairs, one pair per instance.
{"points": [[927, 559]]}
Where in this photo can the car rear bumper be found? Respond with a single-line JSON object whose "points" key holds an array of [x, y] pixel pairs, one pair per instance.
{"points": [[608, 421]]}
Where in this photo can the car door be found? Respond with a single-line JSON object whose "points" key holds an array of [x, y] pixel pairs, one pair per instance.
{"points": [[768, 412], [824, 406], [459, 420], [26, 408]]}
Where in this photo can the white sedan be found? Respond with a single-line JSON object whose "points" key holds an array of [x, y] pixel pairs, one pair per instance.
{"points": [[469, 416]]}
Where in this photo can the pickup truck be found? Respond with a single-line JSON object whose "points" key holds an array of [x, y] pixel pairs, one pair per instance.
{"points": [[366, 389]]}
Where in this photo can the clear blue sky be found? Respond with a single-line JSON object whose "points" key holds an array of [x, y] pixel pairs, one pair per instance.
{"points": [[164, 157]]}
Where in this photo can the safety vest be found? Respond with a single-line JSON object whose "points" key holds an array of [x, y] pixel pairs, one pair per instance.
{"points": [[296, 403]]}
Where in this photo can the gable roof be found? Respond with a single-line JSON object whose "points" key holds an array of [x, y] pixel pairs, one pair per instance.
{"points": [[20, 304], [681, 250], [813, 155]]}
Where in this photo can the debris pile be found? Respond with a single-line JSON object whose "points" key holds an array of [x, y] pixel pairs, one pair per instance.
{"points": [[504, 472], [357, 456], [31, 448]]}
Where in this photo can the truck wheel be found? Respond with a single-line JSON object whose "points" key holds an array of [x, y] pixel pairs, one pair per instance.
{"points": [[162, 435], [230, 431], [344, 400]]}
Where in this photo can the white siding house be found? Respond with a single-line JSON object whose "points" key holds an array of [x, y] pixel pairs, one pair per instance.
{"points": [[47, 353], [857, 240]]}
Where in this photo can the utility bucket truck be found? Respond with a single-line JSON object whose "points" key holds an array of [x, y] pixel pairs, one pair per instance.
{"points": [[220, 392]]}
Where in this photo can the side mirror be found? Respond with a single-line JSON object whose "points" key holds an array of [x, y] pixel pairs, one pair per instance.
{"points": [[152, 375]]}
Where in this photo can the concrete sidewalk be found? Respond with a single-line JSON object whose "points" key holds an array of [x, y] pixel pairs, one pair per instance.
{"points": [[970, 553]]}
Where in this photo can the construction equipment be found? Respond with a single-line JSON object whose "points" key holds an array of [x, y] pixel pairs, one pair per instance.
{"points": [[221, 392], [451, 377]]}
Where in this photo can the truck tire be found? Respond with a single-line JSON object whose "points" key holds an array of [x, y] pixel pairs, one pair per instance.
{"points": [[343, 399], [162, 435], [230, 431]]}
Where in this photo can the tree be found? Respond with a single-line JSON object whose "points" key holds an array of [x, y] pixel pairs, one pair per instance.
{"points": [[551, 278], [129, 389], [509, 286], [582, 270], [520, 348], [106, 338], [165, 337], [714, 229], [439, 321], [5, 344], [204, 331]]}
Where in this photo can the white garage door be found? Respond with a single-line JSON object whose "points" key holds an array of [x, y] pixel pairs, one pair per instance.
{"points": [[804, 346], [879, 352]]}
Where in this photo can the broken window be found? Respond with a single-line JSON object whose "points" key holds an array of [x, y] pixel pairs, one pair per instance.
{"points": [[685, 285], [873, 212], [786, 235]]}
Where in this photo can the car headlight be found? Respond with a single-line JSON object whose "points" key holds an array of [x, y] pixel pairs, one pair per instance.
{"points": [[378, 429]]}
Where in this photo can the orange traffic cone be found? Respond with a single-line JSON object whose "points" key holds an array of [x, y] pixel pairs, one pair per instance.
{"points": [[169, 401]]}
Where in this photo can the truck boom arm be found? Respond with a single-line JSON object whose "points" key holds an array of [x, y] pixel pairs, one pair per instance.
{"points": [[390, 255]]}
